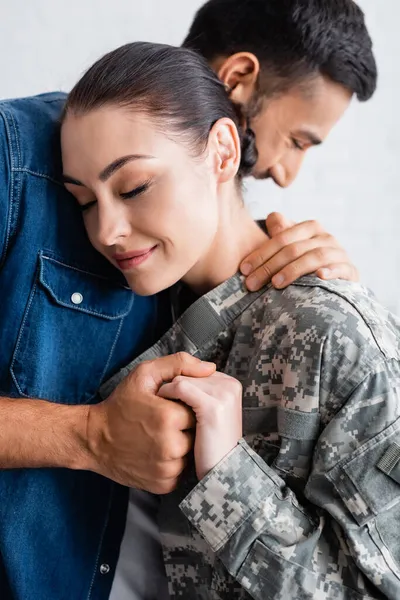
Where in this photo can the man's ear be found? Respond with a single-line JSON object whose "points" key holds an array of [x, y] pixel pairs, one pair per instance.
{"points": [[224, 145], [239, 72]]}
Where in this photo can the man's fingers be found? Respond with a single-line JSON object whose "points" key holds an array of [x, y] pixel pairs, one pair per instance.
{"points": [[298, 233], [276, 223], [344, 271], [310, 262], [171, 414], [184, 444], [301, 258], [157, 371], [167, 478]]}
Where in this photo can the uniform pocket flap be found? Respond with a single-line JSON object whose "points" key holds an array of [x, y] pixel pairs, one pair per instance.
{"points": [[83, 291], [364, 487]]}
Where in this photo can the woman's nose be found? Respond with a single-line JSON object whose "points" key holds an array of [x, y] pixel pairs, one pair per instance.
{"points": [[113, 225]]}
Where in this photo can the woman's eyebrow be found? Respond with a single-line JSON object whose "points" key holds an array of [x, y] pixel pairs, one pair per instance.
{"points": [[110, 169], [119, 163]]}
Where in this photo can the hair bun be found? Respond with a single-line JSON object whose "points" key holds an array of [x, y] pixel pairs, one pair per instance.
{"points": [[249, 152]]}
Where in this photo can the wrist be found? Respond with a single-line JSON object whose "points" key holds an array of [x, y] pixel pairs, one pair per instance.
{"points": [[71, 430], [95, 438]]}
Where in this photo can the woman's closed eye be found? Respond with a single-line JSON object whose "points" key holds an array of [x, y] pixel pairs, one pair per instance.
{"points": [[83, 204], [136, 191], [84, 207]]}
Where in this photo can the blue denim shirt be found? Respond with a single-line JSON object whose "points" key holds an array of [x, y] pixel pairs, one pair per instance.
{"points": [[67, 323]]}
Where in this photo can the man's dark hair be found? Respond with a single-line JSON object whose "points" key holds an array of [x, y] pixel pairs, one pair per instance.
{"points": [[292, 39]]}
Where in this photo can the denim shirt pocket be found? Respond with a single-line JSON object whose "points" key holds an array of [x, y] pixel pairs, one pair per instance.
{"points": [[71, 324], [372, 496]]}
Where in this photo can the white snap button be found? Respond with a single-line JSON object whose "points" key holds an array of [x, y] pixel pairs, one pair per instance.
{"points": [[104, 569], [76, 298]]}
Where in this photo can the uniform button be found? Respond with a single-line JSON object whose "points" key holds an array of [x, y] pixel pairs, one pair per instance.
{"points": [[104, 569], [76, 298]]}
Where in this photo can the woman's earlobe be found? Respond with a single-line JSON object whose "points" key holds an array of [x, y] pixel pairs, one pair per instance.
{"points": [[230, 156]]}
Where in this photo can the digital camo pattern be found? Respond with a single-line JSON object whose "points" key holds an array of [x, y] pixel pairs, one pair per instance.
{"points": [[299, 509]]}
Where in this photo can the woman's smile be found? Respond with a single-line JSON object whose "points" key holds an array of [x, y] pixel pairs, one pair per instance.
{"points": [[131, 260]]}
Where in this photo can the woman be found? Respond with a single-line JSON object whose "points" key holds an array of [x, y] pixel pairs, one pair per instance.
{"points": [[298, 434]]}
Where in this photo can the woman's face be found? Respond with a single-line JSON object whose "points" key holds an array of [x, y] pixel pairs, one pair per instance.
{"points": [[149, 206]]}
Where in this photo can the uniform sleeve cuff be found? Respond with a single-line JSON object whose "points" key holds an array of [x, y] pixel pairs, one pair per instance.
{"points": [[228, 495]]}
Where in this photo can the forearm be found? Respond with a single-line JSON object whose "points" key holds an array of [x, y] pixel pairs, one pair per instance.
{"points": [[245, 512], [36, 433]]}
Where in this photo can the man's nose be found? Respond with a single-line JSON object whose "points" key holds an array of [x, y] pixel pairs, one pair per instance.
{"points": [[286, 169]]}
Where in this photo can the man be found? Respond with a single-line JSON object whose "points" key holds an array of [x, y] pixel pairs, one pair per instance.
{"points": [[287, 64], [68, 323]]}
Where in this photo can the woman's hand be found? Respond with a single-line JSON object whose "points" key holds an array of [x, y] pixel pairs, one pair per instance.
{"points": [[294, 250], [217, 403]]}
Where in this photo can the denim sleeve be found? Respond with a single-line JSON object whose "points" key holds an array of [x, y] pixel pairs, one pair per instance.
{"points": [[5, 187]]}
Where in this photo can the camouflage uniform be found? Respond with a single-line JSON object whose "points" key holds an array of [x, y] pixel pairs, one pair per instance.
{"points": [[308, 504]]}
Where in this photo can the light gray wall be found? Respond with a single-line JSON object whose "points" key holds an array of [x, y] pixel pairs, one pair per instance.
{"points": [[350, 185]]}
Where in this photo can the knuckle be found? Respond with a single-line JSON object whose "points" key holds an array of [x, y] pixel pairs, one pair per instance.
{"points": [[233, 384], [182, 357], [237, 387], [321, 254], [166, 418], [181, 387], [315, 225], [266, 270], [142, 378], [258, 258], [330, 240], [293, 252], [162, 453], [284, 238], [143, 369], [156, 456], [232, 391]]}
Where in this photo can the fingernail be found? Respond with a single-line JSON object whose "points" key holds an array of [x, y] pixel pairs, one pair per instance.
{"points": [[325, 273], [278, 280], [252, 284], [246, 268]]}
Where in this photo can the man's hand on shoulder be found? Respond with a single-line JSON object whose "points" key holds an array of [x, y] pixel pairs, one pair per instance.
{"points": [[295, 250]]}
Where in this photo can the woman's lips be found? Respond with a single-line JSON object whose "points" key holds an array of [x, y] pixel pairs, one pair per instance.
{"points": [[130, 260]]}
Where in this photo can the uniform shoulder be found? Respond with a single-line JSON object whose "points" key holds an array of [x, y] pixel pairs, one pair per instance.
{"points": [[347, 314], [351, 308]]}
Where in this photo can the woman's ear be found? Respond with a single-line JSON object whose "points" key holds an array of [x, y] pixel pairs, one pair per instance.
{"points": [[224, 143], [239, 72]]}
